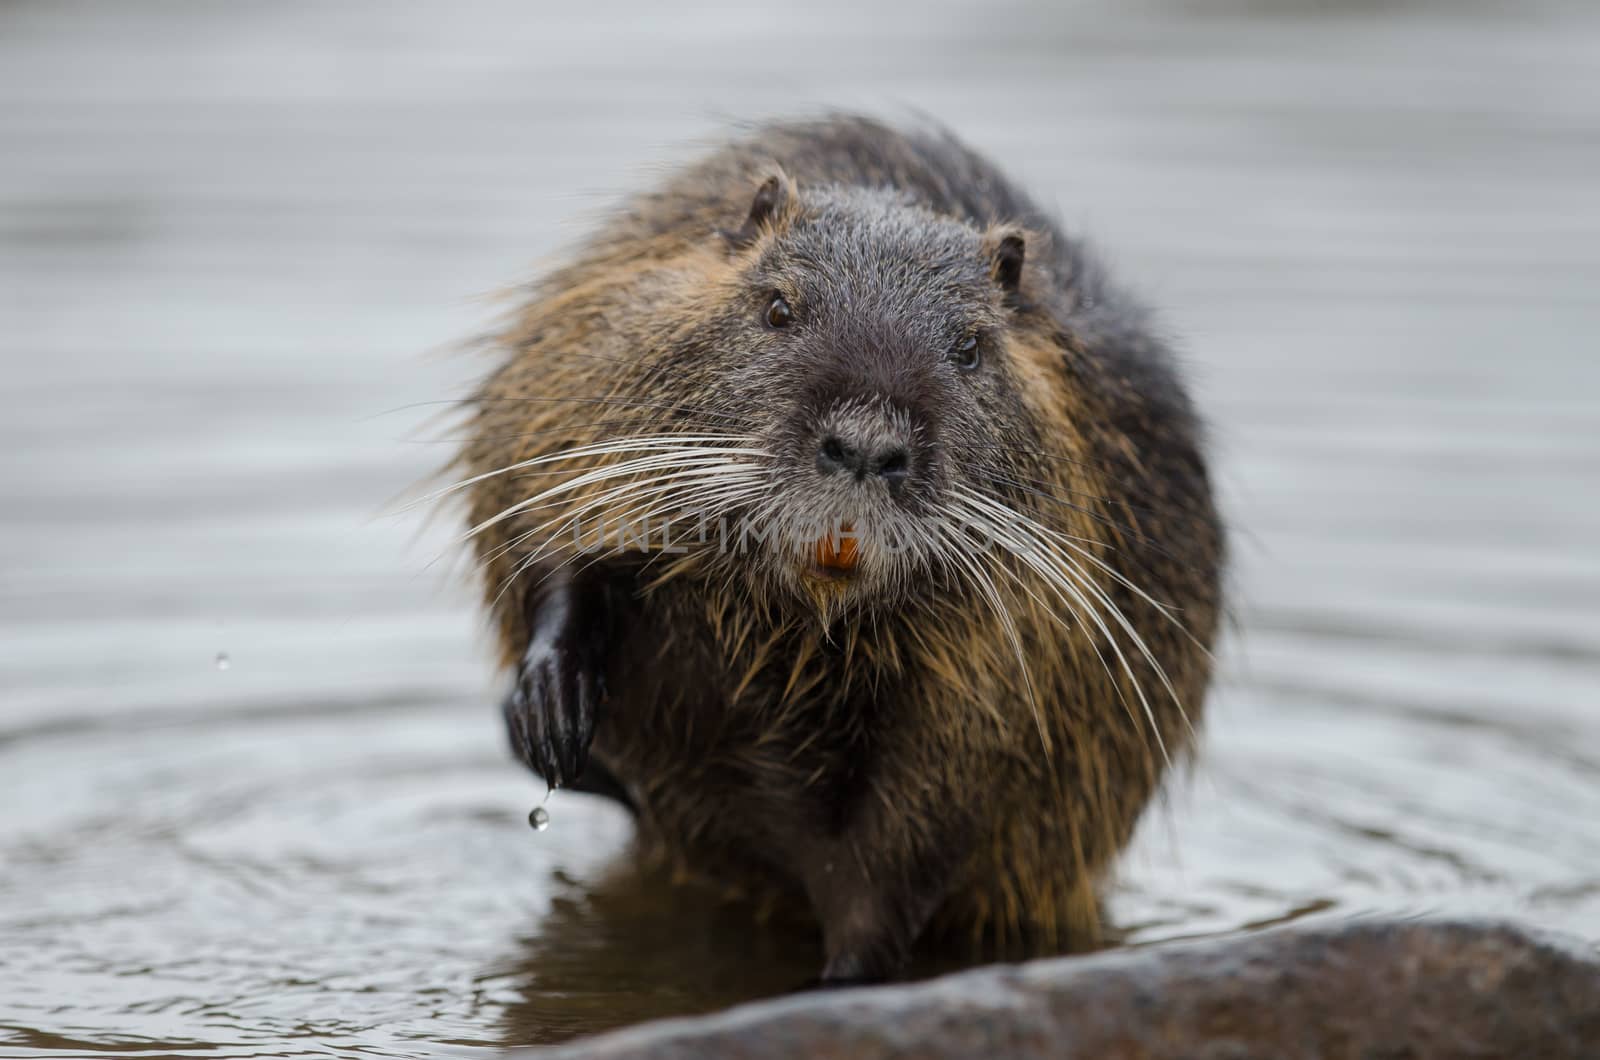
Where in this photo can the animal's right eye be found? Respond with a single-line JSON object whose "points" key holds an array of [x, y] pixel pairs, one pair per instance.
{"points": [[779, 315]]}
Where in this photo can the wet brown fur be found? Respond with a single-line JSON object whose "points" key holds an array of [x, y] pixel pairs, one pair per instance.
{"points": [[892, 760]]}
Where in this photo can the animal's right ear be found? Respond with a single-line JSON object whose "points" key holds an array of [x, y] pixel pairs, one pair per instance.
{"points": [[774, 204]]}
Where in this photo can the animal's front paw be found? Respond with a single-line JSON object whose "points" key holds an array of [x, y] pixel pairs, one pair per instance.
{"points": [[556, 696]]}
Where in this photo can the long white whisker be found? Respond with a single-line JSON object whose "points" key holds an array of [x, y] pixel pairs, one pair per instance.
{"points": [[570, 515], [628, 491], [699, 479], [1073, 610], [684, 459], [586, 505], [608, 447], [985, 586], [697, 502], [704, 487], [1066, 581], [1076, 544], [1072, 570]]}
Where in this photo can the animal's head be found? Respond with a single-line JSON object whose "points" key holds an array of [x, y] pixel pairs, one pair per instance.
{"points": [[872, 351]]}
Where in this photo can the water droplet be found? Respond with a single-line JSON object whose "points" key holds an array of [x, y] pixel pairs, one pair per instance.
{"points": [[539, 818], [223, 662]]}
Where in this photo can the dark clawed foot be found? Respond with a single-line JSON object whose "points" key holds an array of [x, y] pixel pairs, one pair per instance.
{"points": [[823, 982], [846, 970], [556, 697]]}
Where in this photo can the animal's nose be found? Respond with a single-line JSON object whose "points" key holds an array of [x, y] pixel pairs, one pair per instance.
{"points": [[889, 461]]}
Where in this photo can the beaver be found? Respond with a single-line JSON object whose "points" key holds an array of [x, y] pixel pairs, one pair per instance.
{"points": [[840, 517]]}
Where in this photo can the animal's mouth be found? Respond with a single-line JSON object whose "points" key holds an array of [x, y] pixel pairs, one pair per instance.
{"points": [[836, 554]]}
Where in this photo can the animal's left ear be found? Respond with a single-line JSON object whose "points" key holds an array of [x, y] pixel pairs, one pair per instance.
{"points": [[1006, 246]]}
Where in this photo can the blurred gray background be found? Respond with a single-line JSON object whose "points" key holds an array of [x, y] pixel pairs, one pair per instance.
{"points": [[253, 783]]}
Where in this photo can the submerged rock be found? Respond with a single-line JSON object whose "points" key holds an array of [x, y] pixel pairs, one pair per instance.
{"points": [[1393, 990]]}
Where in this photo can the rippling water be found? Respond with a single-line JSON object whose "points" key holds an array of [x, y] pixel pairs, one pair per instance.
{"points": [[227, 233]]}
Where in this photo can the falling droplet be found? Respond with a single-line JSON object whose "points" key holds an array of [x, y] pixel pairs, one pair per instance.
{"points": [[539, 818], [223, 662]]}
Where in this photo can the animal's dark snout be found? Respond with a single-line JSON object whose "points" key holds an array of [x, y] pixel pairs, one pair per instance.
{"points": [[864, 459]]}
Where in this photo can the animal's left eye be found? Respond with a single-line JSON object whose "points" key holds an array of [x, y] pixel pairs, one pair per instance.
{"points": [[966, 356]]}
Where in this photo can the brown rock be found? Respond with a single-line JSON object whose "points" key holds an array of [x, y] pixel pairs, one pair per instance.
{"points": [[1375, 990]]}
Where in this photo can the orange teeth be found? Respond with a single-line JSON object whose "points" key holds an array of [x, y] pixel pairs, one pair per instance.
{"points": [[838, 553]]}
